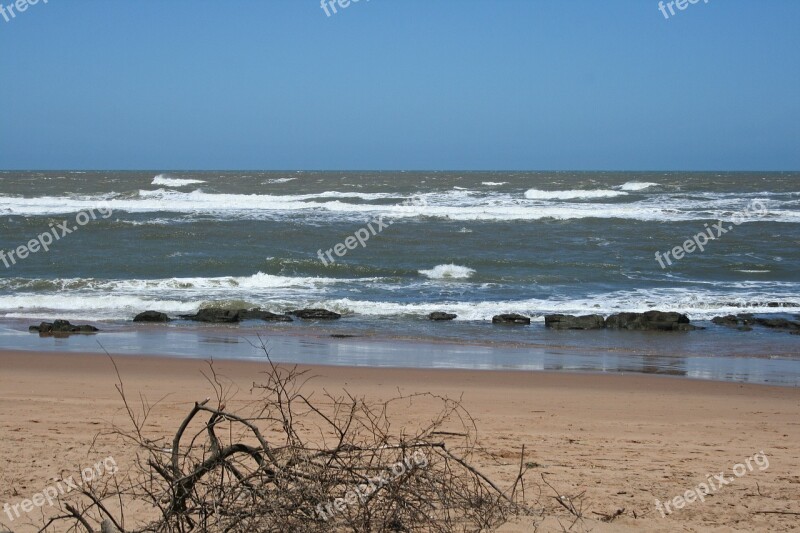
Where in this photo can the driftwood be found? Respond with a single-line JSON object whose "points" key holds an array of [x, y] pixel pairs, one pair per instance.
{"points": [[290, 462]]}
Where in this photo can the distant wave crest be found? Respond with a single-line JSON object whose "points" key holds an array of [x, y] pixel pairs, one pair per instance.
{"points": [[448, 272], [163, 179], [636, 185], [536, 194]]}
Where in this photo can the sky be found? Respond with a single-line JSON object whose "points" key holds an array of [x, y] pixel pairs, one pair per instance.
{"points": [[400, 84]]}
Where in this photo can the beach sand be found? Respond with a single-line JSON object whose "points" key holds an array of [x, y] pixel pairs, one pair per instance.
{"points": [[623, 439]]}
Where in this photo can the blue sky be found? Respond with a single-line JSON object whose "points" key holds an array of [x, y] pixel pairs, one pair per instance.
{"points": [[401, 84]]}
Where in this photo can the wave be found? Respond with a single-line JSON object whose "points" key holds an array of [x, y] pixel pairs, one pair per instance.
{"points": [[123, 299], [450, 205], [257, 281], [636, 186], [697, 305], [493, 183], [536, 194], [163, 179], [89, 306], [448, 272]]}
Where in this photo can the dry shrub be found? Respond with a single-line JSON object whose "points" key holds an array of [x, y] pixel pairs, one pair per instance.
{"points": [[292, 462]]}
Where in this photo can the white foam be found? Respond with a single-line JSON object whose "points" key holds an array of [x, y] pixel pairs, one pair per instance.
{"points": [[636, 185], [697, 305], [450, 205], [448, 272], [536, 194], [163, 179], [493, 183], [258, 281], [122, 299]]}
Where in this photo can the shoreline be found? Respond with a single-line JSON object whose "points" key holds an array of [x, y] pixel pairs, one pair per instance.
{"points": [[624, 439], [514, 375], [705, 355]]}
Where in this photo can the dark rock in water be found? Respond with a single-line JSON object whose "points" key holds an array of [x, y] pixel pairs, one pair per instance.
{"points": [[439, 316], [650, 321], [60, 327], [151, 316], [258, 314], [512, 318], [743, 321], [214, 315], [43, 328], [316, 314], [229, 316], [783, 304], [574, 322], [730, 321], [778, 323], [343, 336]]}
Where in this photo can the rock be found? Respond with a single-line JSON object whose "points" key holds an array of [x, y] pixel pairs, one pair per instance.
{"points": [[43, 328], [229, 316], [650, 321], [439, 316], [61, 327], [512, 318], [741, 321], [574, 322], [783, 304], [258, 314], [343, 336], [214, 315], [730, 321], [777, 323], [151, 316], [316, 314]]}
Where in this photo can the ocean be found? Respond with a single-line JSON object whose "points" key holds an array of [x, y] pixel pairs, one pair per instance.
{"points": [[475, 244]]}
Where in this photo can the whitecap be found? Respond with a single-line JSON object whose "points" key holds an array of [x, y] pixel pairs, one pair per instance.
{"points": [[636, 185], [163, 179], [450, 271], [536, 194]]}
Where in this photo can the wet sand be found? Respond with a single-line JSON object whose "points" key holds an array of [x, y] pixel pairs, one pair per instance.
{"points": [[718, 354]]}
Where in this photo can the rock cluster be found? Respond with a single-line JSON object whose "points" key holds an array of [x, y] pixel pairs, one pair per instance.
{"points": [[60, 327]]}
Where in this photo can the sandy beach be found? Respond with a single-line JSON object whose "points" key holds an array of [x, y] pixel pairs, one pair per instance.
{"points": [[625, 440]]}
